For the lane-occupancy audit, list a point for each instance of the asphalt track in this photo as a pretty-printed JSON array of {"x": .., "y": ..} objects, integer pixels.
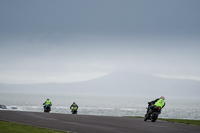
[{"x": 94, "y": 124}]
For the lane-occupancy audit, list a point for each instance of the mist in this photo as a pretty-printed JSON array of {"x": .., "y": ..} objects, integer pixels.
[{"x": 74, "y": 41}]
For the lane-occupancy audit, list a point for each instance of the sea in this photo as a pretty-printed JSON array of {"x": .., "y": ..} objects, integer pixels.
[{"x": 119, "y": 106}]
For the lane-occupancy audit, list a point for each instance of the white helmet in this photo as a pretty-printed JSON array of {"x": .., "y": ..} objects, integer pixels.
[{"x": 162, "y": 97}]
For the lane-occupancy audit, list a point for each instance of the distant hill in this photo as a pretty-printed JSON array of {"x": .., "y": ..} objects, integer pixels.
[{"x": 123, "y": 83}]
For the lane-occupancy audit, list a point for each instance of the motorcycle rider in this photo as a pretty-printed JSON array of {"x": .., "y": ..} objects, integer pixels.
[
  {"x": 74, "y": 107},
  {"x": 48, "y": 102},
  {"x": 159, "y": 102}
]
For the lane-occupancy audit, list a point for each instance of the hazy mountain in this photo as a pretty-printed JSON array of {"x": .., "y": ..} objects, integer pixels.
[{"x": 124, "y": 83}]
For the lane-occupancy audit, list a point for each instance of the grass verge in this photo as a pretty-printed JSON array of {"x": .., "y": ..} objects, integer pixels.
[
  {"x": 10, "y": 127},
  {"x": 185, "y": 121}
]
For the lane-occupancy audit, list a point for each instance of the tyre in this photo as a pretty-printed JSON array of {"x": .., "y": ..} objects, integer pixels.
[
  {"x": 145, "y": 117},
  {"x": 154, "y": 116}
]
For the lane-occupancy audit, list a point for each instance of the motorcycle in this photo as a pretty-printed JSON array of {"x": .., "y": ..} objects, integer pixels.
[
  {"x": 47, "y": 108},
  {"x": 3, "y": 107},
  {"x": 74, "y": 111},
  {"x": 155, "y": 111}
]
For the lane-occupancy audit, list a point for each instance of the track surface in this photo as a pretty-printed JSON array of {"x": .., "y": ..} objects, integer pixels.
[{"x": 95, "y": 124}]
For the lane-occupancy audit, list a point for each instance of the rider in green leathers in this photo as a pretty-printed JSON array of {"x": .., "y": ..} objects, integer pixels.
[
  {"x": 159, "y": 102},
  {"x": 74, "y": 107},
  {"x": 48, "y": 102}
]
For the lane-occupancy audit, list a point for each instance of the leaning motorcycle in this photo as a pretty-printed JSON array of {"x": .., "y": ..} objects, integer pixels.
[{"x": 155, "y": 111}]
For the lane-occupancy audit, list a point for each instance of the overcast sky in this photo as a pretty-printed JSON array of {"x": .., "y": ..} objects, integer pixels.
[{"x": 75, "y": 40}]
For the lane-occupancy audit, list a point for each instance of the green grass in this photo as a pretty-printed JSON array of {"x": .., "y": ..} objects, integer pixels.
[
  {"x": 9, "y": 127},
  {"x": 185, "y": 121}
]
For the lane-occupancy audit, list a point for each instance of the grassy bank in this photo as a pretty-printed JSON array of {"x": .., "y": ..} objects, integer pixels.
[
  {"x": 185, "y": 121},
  {"x": 9, "y": 127}
]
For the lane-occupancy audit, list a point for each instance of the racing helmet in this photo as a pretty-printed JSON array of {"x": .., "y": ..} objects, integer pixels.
[{"x": 162, "y": 97}]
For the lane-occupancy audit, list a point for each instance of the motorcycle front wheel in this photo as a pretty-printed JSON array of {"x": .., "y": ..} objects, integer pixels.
[
  {"x": 145, "y": 117},
  {"x": 154, "y": 116}
]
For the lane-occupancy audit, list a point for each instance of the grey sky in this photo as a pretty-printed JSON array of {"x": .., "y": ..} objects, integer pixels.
[{"x": 68, "y": 41}]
